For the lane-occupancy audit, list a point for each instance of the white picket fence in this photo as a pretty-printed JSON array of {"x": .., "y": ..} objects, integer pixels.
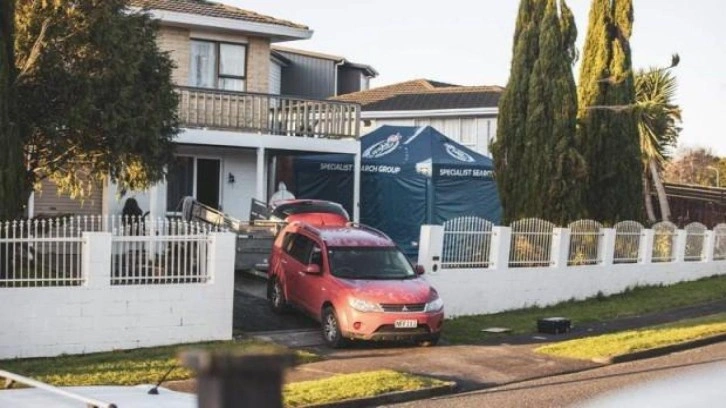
[{"x": 48, "y": 252}]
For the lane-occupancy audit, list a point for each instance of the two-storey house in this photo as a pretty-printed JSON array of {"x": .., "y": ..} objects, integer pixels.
[{"x": 235, "y": 119}]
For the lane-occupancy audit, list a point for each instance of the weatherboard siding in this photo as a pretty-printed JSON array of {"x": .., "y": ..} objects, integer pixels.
[{"x": 308, "y": 76}]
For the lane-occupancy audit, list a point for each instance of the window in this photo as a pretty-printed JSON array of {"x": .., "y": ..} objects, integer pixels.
[
  {"x": 301, "y": 248},
  {"x": 218, "y": 65},
  {"x": 196, "y": 177}
]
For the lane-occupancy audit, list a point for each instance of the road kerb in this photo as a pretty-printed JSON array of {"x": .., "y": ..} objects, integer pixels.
[
  {"x": 660, "y": 351},
  {"x": 391, "y": 397}
]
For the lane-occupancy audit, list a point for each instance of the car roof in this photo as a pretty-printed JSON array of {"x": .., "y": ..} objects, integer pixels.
[{"x": 350, "y": 235}]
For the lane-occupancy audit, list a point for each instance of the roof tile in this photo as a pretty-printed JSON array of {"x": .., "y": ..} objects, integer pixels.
[{"x": 211, "y": 9}]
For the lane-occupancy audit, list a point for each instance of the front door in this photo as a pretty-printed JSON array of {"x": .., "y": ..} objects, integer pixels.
[{"x": 208, "y": 179}]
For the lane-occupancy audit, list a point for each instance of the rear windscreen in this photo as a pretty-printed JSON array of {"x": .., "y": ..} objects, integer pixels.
[{"x": 286, "y": 210}]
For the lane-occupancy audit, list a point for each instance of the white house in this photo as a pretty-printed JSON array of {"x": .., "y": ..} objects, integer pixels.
[{"x": 235, "y": 122}]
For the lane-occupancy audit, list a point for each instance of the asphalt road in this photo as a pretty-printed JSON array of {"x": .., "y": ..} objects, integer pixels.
[{"x": 579, "y": 388}]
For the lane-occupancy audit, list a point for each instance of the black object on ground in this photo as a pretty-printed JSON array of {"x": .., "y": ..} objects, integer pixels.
[{"x": 554, "y": 325}]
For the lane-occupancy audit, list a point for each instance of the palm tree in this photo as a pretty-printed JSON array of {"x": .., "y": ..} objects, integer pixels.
[{"x": 658, "y": 118}]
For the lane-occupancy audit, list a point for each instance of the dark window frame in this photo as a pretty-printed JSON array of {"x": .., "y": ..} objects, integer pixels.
[{"x": 218, "y": 54}]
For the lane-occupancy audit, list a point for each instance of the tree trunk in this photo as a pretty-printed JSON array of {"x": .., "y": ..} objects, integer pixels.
[
  {"x": 665, "y": 209},
  {"x": 12, "y": 167},
  {"x": 648, "y": 199}
]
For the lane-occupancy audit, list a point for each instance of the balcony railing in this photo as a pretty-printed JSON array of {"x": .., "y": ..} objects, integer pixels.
[{"x": 267, "y": 114}]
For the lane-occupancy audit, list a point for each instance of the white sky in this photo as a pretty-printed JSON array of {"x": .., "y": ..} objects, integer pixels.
[{"x": 469, "y": 42}]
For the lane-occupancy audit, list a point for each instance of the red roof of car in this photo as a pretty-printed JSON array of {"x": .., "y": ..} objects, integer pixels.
[{"x": 350, "y": 236}]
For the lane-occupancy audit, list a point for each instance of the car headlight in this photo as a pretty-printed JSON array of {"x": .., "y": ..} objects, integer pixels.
[
  {"x": 434, "y": 305},
  {"x": 364, "y": 305}
]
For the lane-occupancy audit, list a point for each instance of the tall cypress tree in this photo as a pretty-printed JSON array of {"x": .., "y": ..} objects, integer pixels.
[
  {"x": 538, "y": 168},
  {"x": 12, "y": 168},
  {"x": 607, "y": 127}
]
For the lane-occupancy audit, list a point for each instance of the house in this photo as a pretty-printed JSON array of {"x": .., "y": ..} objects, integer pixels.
[
  {"x": 467, "y": 114},
  {"x": 318, "y": 75},
  {"x": 235, "y": 112}
]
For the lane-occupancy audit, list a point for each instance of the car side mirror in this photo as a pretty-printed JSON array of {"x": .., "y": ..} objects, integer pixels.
[
  {"x": 420, "y": 270},
  {"x": 312, "y": 269}
]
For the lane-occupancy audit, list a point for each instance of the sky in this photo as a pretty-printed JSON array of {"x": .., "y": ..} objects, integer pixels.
[{"x": 469, "y": 42}]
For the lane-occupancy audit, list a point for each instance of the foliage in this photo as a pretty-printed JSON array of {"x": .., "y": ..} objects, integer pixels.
[
  {"x": 697, "y": 166},
  {"x": 539, "y": 172},
  {"x": 607, "y": 127},
  {"x": 94, "y": 95},
  {"x": 349, "y": 386},
  {"x": 633, "y": 302},
  {"x": 130, "y": 367},
  {"x": 12, "y": 168},
  {"x": 609, "y": 345}
]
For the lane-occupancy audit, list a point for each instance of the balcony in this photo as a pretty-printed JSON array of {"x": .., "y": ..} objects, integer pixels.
[{"x": 267, "y": 114}]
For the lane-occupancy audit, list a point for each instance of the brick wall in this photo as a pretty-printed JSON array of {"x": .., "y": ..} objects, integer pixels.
[{"x": 176, "y": 40}]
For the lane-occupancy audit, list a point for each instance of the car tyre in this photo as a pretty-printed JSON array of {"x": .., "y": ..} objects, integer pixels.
[
  {"x": 331, "y": 328},
  {"x": 429, "y": 342},
  {"x": 276, "y": 296}
]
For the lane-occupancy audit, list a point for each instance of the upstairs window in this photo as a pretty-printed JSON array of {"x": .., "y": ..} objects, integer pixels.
[{"x": 218, "y": 65}]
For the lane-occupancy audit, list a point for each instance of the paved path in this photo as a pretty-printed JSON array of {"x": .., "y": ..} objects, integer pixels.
[{"x": 569, "y": 389}]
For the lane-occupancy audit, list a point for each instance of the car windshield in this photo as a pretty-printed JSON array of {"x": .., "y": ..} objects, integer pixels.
[{"x": 369, "y": 263}]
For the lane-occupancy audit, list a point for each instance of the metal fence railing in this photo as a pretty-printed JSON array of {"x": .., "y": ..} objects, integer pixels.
[
  {"x": 664, "y": 235},
  {"x": 48, "y": 252},
  {"x": 627, "y": 241},
  {"x": 695, "y": 242},
  {"x": 719, "y": 242},
  {"x": 467, "y": 242},
  {"x": 531, "y": 243},
  {"x": 160, "y": 251},
  {"x": 584, "y": 242}
]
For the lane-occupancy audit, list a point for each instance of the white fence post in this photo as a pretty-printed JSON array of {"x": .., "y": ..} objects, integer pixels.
[
  {"x": 679, "y": 246},
  {"x": 220, "y": 258},
  {"x": 97, "y": 259},
  {"x": 709, "y": 244},
  {"x": 560, "y": 252},
  {"x": 606, "y": 248},
  {"x": 499, "y": 249},
  {"x": 431, "y": 246},
  {"x": 645, "y": 250}
]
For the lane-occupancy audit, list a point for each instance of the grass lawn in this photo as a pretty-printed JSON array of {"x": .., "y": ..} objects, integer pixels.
[
  {"x": 129, "y": 367},
  {"x": 614, "y": 344},
  {"x": 349, "y": 386},
  {"x": 467, "y": 329}
]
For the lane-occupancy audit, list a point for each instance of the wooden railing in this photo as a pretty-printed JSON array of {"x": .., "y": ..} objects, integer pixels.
[{"x": 268, "y": 114}]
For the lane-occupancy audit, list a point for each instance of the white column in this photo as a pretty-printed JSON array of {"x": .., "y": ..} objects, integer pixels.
[
  {"x": 709, "y": 243},
  {"x": 499, "y": 249},
  {"x": 431, "y": 245},
  {"x": 260, "y": 192},
  {"x": 606, "y": 247},
  {"x": 96, "y": 267},
  {"x": 679, "y": 246},
  {"x": 356, "y": 186},
  {"x": 645, "y": 250},
  {"x": 31, "y": 205},
  {"x": 560, "y": 249}
]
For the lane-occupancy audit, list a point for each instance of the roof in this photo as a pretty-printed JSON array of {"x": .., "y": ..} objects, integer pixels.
[
  {"x": 424, "y": 94},
  {"x": 485, "y": 98},
  {"x": 353, "y": 236},
  {"x": 212, "y": 9}
]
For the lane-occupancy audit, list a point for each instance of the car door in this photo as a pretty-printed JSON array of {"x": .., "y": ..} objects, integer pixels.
[
  {"x": 298, "y": 254},
  {"x": 313, "y": 286}
]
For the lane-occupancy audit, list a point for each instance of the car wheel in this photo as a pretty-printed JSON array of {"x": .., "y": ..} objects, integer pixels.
[
  {"x": 429, "y": 342},
  {"x": 276, "y": 296},
  {"x": 331, "y": 328}
]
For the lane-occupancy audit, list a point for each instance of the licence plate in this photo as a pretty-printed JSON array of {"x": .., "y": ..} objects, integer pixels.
[{"x": 405, "y": 324}]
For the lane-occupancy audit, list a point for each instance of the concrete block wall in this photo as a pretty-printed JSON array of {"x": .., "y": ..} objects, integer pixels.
[
  {"x": 499, "y": 287},
  {"x": 95, "y": 317}
]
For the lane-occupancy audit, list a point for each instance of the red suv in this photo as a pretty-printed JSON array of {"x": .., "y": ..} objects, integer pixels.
[{"x": 355, "y": 281}]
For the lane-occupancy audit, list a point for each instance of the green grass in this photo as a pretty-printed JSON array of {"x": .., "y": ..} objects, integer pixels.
[
  {"x": 609, "y": 345},
  {"x": 130, "y": 367},
  {"x": 349, "y": 386},
  {"x": 641, "y": 300}
]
